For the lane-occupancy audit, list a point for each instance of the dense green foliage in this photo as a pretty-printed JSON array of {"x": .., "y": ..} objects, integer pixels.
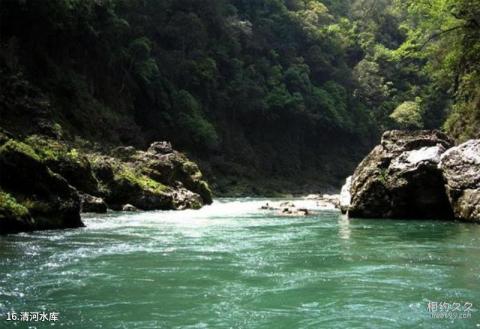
[
  {"x": 446, "y": 35},
  {"x": 254, "y": 88},
  {"x": 10, "y": 208},
  {"x": 430, "y": 68},
  {"x": 408, "y": 115}
]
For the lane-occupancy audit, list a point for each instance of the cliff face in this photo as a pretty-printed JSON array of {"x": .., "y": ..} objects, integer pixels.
[{"x": 46, "y": 183}]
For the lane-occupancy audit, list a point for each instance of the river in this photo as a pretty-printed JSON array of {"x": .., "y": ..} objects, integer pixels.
[{"x": 230, "y": 265}]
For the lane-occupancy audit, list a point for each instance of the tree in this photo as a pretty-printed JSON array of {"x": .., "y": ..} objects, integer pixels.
[{"x": 408, "y": 115}]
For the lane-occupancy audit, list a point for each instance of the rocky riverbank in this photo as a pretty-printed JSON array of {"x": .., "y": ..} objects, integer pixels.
[
  {"x": 418, "y": 174},
  {"x": 46, "y": 184}
]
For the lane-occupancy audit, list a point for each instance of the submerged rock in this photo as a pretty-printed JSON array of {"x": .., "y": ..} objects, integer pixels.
[
  {"x": 461, "y": 169},
  {"x": 293, "y": 212},
  {"x": 267, "y": 206},
  {"x": 400, "y": 178},
  {"x": 286, "y": 209}
]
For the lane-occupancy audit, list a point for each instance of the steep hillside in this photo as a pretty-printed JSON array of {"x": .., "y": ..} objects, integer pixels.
[{"x": 267, "y": 95}]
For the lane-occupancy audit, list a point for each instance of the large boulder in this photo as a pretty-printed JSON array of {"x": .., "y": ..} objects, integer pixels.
[
  {"x": 121, "y": 183},
  {"x": 33, "y": 196},
  {"x": 159, "y": 178},
  {"x": 461, "y": 169},
  {"x": 400, "y": 178},
  {"x": 161, "y": 163}
]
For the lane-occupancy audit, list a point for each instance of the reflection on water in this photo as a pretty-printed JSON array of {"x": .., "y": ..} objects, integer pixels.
[
  {"x": 230, "y": 265},
  {"x": 344, "y": 228}
]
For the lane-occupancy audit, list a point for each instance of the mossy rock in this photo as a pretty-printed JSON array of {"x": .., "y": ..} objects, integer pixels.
[
  {"x": 172, "y": 168},
  {"x": 123, "y": 184},
  {"x": 203, "y": 189},
  {"x": 123, "y": 172},
  {"x": 70, "y": 163},
  {"x": 151, "y": 169},
  {"x": 190, "y": 175},
  {"x": 14, "y": 216},
  {"x": 50, "y": 200}
]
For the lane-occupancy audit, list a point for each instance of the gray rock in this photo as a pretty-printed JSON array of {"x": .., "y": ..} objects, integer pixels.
[
  {"x": 92, "y": 203},
  {"x": 160, "y": 148},
  {"x": 400, "y": 178},
  {"x": 129, "y": 207},
  {"x": 293, "y": 212},
  {"x": 185, "y": 199},
  {"x": 461, "y": 169}
]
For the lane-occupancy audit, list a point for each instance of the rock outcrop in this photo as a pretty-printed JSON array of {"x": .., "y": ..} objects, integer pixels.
[
  {"x": 416, "y": 175},
  {"x": 400, "y": 178},
  {"x": 120, "y": 184},
  {"x": 45, "y": 184},
  {"x": 160, "y": 162},
  {"x": 66, "y": 161},
  {"x": 461, "y": 170},
  {"x": 33, "y": 196},
  {"x": 159, "y": 178}
]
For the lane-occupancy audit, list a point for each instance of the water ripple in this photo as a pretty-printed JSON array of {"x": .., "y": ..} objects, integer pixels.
[{"x": 230, "y": 265}]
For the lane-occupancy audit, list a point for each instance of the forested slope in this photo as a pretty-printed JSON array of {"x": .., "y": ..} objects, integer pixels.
[{"x": 268, "y": 95}]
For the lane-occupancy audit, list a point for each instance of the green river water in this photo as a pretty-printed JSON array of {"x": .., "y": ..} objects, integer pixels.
[{"x": 230, "y": 265}]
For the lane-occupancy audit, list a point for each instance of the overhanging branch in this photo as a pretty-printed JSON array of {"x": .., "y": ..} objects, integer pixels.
[{"x": 439, "y": 34}]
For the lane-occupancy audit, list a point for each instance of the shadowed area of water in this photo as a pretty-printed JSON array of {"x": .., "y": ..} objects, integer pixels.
[{"x": 230, "y": 265}]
